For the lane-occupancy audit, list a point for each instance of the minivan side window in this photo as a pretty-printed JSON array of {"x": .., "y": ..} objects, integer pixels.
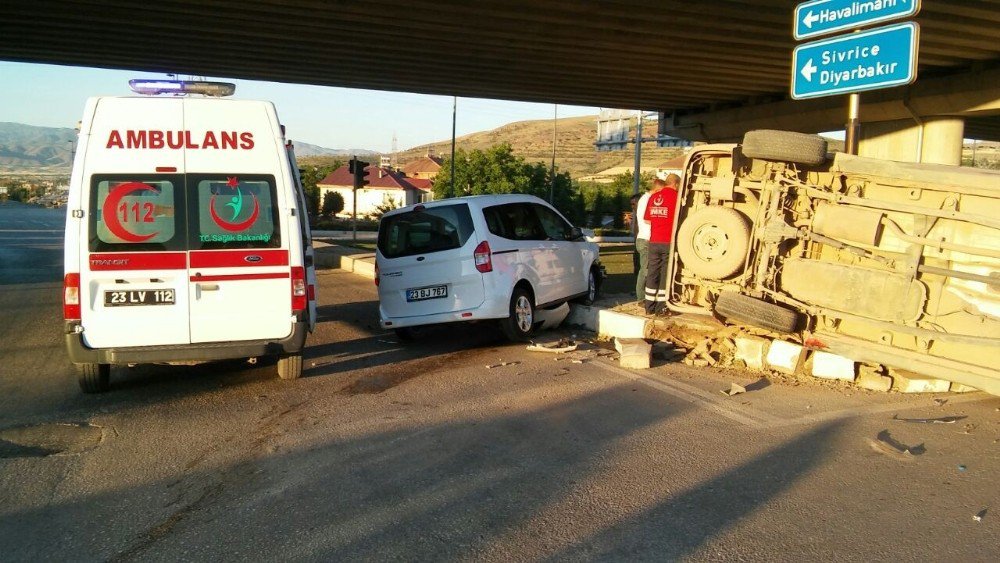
[
  {"x": 132, "y": 212},
  {"x": 556, "y": 228},
  {"x": 233, "y": 212},
  {"x": 514, "y": 221},
  {"x": 431, "y": 229}
]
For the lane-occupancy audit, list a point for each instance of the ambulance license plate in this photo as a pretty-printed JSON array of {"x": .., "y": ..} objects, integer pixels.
[
  {"x": 421, "y": 293},
  {"x": 123, "y": 298}
]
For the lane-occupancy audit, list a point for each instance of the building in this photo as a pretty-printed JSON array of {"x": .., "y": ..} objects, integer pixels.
[
  {"x": 425, "y": 167},
  {"x": 386, "y": 189}
]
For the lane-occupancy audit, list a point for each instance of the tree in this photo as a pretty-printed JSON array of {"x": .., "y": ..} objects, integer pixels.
[
  {"x": 388, "y": 205},
  {"x": 311, "y": 175},
  {"x": 497, "y": 170},
  {"x": 333, "y": 203}
]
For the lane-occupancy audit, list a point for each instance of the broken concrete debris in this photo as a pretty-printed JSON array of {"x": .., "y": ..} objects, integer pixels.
[
  {"x": 561, "y": 347},
  {"x": 634, "y": 353},
  {"x": 734, "y": 389},
  {"x": 941, "y": 420},
  {"x": 502, "y": 364}
]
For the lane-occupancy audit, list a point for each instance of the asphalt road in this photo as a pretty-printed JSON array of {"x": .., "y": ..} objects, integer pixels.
[
  {"x": 385, "y": 451},
  {"x": 31, "y": 243}
]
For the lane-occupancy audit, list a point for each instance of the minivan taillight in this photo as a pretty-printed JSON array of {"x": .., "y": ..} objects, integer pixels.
[
  {"x": 299, "y": 295},
  {"x": 71, "y": 297},
  {"x": 376, "y": 273},
  {"x": 483, "y": 257}
]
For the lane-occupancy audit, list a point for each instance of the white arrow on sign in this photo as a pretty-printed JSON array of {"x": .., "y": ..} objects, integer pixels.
[
  {"x": 808, "y": 70},
  {"x": 809, "y": 19}
]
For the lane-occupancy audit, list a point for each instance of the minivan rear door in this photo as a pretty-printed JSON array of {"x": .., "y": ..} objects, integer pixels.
[{"x": 426, "y": 263}]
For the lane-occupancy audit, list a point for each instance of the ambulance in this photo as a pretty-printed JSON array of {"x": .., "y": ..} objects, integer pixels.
[{"x": 187, "y": 237}]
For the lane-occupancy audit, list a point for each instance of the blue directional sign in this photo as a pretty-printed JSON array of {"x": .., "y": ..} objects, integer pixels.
[
  {"x": 822, "y": 17},
  {"x": 878, "y": 58}
]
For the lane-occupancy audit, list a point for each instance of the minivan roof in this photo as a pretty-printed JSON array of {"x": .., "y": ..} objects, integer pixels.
[{"x": 482, "y": 200}]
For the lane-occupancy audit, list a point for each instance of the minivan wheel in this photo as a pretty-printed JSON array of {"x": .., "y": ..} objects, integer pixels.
[
  {"x": 94, "y": 378},
  {"x": 785, "y": 146},
  {"x": 592, "y": 289},
  {"x": 743, "y": 308},
  {"x": 519, "y": 324},
  {"x": 290, "y": 367}
]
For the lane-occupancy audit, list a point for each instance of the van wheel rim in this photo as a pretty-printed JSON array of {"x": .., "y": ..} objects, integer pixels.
[
  {"x": 522, "y": 314},
  {"x": 710, "y": 242}
]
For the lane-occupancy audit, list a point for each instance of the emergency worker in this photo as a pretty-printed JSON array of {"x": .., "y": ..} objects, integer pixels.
[{"x": 659, "y": 211}]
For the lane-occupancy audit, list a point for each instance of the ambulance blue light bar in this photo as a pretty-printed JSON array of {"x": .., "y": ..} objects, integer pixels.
[{"x": 180, "y": 87}]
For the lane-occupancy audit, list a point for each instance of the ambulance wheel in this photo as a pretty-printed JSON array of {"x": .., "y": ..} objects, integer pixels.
[
  {"x": 290, "y": 367},
  {"x": 94, "y": 378},
  {"x": 518, "y": 326}
]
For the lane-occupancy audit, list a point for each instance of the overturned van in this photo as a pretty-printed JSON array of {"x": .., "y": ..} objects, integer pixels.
[
  {"x": 187, "y": 237},
  {"x": 882, "y": 262}
]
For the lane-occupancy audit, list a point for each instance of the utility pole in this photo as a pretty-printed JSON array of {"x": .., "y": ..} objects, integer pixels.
[
  {"x": 638, "y": 155},
  {"x": 552, "y": 180},
  {"x": 454, "y": 115}
]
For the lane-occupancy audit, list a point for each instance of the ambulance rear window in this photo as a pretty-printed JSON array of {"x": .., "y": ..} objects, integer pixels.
[
  {"x": 130, "y": 213},
  {"x": 238, "y": 211}
]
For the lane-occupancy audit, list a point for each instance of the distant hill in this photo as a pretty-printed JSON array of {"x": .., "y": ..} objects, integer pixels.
[
  {"x": 532, "y": 140},
  {"x": 27, "y": 149},
  {"x": 35, "y": 150}
]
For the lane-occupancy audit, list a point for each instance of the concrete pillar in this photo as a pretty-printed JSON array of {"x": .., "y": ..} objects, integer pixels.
[
  {"x": 943, "y": 138},
  {"x": 938, "y": 140}
]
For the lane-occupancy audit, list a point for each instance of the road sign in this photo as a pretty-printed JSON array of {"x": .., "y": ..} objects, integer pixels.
[
  {"x": 822, "y": 17},
  {"x": 879, "y": 58}
]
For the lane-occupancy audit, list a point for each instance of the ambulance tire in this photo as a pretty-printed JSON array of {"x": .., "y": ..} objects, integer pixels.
[
  {"x": 713, "y": 242},
  {"x": 785, "y": 146},
  {"x": 94, "y": 378},
  {"x": 290, "y": 366},
  {"x": 520, "y": 323}
]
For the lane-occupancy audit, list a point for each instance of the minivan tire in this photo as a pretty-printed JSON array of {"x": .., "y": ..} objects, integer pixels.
[
  {"x": 593, "y": 289},
  {"x": 757, "y": 312},
  {"x": 785, "y": 146},
  {"x": 713, "y": 242},
  {"x": 94, "y": 378},
  {"x": 290, "y": 367},
  {"x": 520, "y": 323}
]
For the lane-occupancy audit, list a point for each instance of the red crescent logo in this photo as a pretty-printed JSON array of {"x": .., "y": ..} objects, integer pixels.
[
  {"x": 234, "y": 227},
  {"x": 110, "y": 207}
]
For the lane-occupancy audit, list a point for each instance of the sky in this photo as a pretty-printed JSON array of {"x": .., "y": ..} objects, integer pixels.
[{"x": 335, "y": 118}]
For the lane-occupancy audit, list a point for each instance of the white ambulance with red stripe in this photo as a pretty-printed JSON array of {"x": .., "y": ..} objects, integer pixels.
[{"x": 187, "y": 237}]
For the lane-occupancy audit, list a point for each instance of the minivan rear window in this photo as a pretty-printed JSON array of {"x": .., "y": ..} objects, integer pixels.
[{"x": 431, "y": 229}]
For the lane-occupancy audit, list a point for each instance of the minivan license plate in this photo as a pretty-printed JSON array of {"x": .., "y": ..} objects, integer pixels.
[
  {"x": 122, "y": 298},
  {"x": 421, "y": 293}
]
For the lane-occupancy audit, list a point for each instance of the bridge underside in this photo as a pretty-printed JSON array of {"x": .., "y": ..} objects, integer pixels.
[{"x": 692, "y": 60}]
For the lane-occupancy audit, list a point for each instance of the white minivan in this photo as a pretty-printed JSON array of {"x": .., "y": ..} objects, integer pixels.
[
  {"x": 187, "y": 237},
  {"x": 480, "y": 257}
]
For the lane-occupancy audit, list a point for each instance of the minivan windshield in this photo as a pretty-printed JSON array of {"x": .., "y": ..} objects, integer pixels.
[{"x": 425, "y": 230}]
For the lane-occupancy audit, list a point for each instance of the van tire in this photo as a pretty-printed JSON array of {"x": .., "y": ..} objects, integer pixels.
[
  {"x": 290, "y": 367},
  {"x": 713, "y": 242},
  {"x": 743, "y": 308},
  {"x": 785, "y": 146},
  {"x": 520, "y": 321},
  {"x": 94, "y": 378}
]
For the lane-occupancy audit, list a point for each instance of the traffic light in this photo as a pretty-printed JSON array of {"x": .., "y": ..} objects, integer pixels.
[{"x": 358, "y": 170}]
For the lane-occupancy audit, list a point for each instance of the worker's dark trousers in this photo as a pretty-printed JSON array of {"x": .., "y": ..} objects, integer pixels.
[{"x": 656, "y": 278}]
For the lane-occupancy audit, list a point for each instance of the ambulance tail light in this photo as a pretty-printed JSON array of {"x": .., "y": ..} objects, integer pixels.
[
  {"x": 483, "y": 257},
  {"x": 71, "y": 297},
  {"x": 299, "y": 291}
]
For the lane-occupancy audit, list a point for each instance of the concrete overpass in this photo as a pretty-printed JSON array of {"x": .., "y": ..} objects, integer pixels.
[{"x": 714, "y": 68}]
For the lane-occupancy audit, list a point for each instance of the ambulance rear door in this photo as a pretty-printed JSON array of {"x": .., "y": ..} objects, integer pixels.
[
  {"x": 240, "y": 265},
  {"x": 132, "y": 239}
]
